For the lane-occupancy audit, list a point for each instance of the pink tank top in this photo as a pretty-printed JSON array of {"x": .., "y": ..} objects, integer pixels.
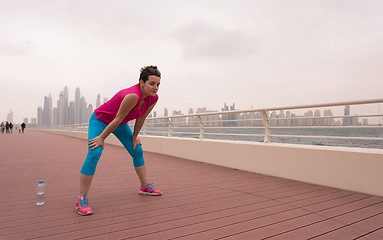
[{"x": 108, "y": 111}]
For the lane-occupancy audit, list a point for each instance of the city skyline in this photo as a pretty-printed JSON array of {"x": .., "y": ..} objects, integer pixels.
[
  {"x": 66, "y": 112},
  {"x": 77, "y": 111}
]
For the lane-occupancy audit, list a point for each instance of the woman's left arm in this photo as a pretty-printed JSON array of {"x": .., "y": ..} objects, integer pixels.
[{"x": 138, "y": 125}]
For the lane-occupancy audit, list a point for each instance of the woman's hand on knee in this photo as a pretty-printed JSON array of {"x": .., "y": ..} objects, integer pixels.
[
  {"x": 136, "y": 141},
  {"x": 96, "y": 142}
]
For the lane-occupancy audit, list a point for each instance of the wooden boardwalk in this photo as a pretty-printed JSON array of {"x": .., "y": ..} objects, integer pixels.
[{"x": 200, "y": 201}]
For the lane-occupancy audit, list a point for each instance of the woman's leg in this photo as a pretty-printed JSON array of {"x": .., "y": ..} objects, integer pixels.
[
  {"x": 125, "y": 134},
  {"x": 141, "y": 173},
  {"x": 89, "y": 166},
  {"x": 85, "y": 182}
]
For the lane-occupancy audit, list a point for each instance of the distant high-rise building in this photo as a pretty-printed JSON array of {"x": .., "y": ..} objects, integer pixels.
[
  {"x": 346, "y": 121},
  {"x": 273, "y": 116},
  {"x": 66, "y": 105},
  {"x": 347, "y": 110},
  {"x": 209, "y": 120},
  {"x": 55, "y": 117},
  {"x": 104, "y": 100},
  {"x": 26, "y": 121},
  {"x": 258, "y": 115},
  {"x": 328, "y": 121},
  {"x": 281, "y": 122},
  {"x": 72, "y": 112},
  {"x": 62, "y": 116},
  {"x": 309, "y": 122},
  {"x": 66, "y": 112},
  {"x": 39, "y": 116},
  {"x": 61, "y": 109},
  {"x": 229, "y": 119},
  {"x": 77, "y": 105},
  {"x": 354, "y": 121},
  {"x": 47, "y": 111},
  {"x": 175, "y": 112},
  {"x": 10, "y": 116},
  {"x": 192, "y": 121},
  {"x": 288, "y": 121},
  {"x": 179, "y": 122},
  {"x": 232, "y": 107},
  {"x": 98, "y": 101},
  {"x": 166, "y": 112},
  {"x": 225, "y": 108},
  {"x": 244, "y": 116},
  {"x": 83, "y": 110},
  {"x": 90, "y": 111},
  {"x": 201, "y": 110},
  {"x": 320, "y": 121}
]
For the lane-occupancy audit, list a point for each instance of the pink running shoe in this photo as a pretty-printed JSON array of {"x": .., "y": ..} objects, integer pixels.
[
  {"x": 83, "y": 207},
  {"x": 149, "y": 190}
]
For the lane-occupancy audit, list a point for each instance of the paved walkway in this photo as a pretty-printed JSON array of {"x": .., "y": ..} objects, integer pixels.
[{"x": 200, "y": 201}]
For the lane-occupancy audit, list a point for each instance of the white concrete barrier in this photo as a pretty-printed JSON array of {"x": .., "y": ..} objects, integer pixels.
[{"x": 353, "y": 169}]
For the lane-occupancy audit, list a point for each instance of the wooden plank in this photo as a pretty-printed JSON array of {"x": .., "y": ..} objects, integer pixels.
[
  {"x": 337, "y": 222},
  {"x": 363, "y": 224}
]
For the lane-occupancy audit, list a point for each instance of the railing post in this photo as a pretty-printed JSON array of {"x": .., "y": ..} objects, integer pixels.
[
  {"x": 201, "y": 128},
  {"x": 267, "y": 126},
  {"x": 170, "y": 128}
]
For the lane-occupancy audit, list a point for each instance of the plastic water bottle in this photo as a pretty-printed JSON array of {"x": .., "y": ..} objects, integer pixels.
[{"x": 40, "y": 193}]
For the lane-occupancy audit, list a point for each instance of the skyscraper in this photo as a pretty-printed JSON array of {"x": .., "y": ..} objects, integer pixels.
[
  {"x": 288, "y": 121},
  {"x": 273, "y": 116},
  {"x": 309, "y": 122},
  {"x": 61, "y": 109},
  {"x": 66, "y": 112},
  {"x": 98, "y": 101},
  {"x": 47, "y": 112},
  {"x": 320, "y": 121},
  {"x": 66, "y": 105},
  {"x": 89, "y": 112},
  {"x": 55, "y": 117},
  {"x": 227, "y": 118},
  {"x": 39, "y": 116},
  {"x": 72, "y": 112},
  {"x": 10, "y": 116},
  {"x": 346, "y": 120},
  {"x": 83, "y": 110},
  {"x": 329, "y": 121},
  {"x": 281, "y": 115},
  {"x": 77, "y": 105}
]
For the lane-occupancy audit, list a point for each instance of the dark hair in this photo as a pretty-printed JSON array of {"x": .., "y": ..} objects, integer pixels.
[{"x": 149, "y": 70}]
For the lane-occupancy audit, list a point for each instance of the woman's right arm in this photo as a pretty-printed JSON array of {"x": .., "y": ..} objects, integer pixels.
[{"x": 127, "y": 104}]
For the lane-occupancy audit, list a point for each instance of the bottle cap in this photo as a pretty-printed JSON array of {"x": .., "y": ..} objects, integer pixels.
[{"x": 41, "y": 181}]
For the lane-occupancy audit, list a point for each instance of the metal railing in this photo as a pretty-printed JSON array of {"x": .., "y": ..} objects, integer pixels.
[{"x": 264, "y": 125}]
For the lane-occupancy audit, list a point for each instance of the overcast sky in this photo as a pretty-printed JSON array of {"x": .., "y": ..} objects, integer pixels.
[{"x": 210, "y": 52}]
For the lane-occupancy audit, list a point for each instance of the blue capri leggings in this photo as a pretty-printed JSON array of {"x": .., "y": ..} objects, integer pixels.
[{"x": 122, "y": 132}]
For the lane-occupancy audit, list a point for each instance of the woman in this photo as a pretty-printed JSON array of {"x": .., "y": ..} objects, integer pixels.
[{"x": 113, "y": 116}]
